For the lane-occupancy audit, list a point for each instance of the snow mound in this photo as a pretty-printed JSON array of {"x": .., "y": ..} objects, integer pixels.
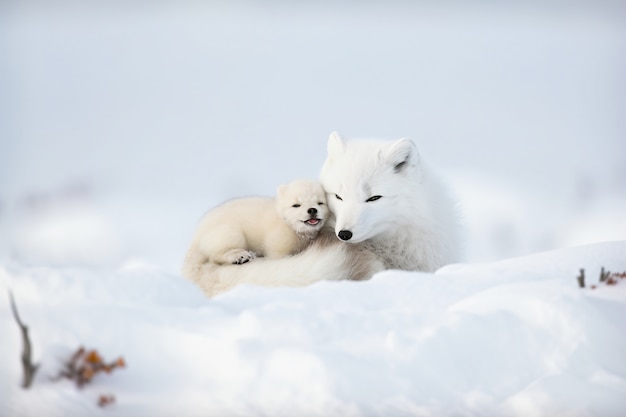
[
  {"x": 64, "y": 230},
  {"x": 513, "y": 338}
]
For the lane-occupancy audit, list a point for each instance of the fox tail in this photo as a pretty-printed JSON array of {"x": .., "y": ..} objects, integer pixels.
[{"x": 325, "y": 259}]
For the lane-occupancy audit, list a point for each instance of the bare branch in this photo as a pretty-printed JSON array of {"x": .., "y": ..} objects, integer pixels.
[
  {"x": 27, "y": 365},
  {"x": 604, "y": 275},
  {"x": 581, "y": 278}
]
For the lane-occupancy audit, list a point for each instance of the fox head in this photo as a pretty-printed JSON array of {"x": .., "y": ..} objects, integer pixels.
[
  {"x": 366, "y": 183},
  {"x": 302, "y": 205}
]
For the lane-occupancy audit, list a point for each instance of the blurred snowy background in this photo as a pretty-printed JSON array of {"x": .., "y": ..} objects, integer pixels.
[{"x": 121, "y": 123}]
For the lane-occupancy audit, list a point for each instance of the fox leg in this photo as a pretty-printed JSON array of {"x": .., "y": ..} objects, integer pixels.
[
  {"x": 226, "y": 245},
  {"x": 236, "y": 256}
]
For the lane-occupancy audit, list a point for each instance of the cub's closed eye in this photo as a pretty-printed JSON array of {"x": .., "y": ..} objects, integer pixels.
[
  {"x": 296, "y": 205},
  {"x": 338, "y": 198},
  {"x": 373, "y": 198},
  {"x": 320, "y": 203}
]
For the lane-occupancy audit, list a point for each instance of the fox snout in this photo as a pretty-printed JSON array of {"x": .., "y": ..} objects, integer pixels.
[
  {"x": 312, "y": 211},
  {"x": 344, "y": 235}
]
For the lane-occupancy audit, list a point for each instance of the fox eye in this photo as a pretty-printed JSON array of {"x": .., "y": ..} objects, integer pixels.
[
  {"x": 373, "y": 198},
  {"x": 320, "y": 204},
  {"x": 296, "y": 205},
  {"x": 338, "y": 198}
]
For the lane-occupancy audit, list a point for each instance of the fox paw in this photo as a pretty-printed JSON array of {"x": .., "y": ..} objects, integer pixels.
[{"x": 239, "y": 256}]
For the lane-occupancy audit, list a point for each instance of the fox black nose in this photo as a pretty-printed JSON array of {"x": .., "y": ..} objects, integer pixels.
[
  {"x": 344, "y": 234},
  {"x": 312, "y": 211}
]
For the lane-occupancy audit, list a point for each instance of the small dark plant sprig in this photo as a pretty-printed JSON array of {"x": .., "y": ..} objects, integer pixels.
[
  {"x": 28, "y": 367},
  {"x": 606, "y": 277},
  {"x": 105, "y": 400},
  {"x": 581, "y": 278},
  {"x": 85, "y": 364}
]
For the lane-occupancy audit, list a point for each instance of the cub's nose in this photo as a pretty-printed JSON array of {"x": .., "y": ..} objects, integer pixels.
[
  {"x": 312, "y": 211},
  {"x": 344, "y": 234}
]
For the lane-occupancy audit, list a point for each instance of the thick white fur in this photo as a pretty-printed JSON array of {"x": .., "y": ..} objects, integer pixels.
[
  {"x": 325, "y": 259},
  {"x": 412, "y": 226},
  {"x": 241, "y": 229}
]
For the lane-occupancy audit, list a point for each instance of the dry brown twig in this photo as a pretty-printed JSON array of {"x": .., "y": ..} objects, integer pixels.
[
  {"x": 581, "y": 278},
  {"x": 81, "y": 367},
  {"x": 27, "y": 365},
  {"x": 106, "y": 400},
  {"x": 85, "y": 364},
  {"x": 606, "y": 277}
]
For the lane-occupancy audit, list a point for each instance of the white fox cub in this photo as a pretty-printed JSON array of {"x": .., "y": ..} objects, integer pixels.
[
  {"x": 239, "y": 230},
  {"x": 390, "y": 212}
]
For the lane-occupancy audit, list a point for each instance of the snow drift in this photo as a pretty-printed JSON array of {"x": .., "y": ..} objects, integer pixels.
[{"x": 514, "y": 338}]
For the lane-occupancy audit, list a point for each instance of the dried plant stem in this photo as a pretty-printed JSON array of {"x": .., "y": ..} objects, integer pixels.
[
  {"x": 27, "y": 365},
  {"x": 581, "y": 278},
  {"x": 604, "y": 275}
]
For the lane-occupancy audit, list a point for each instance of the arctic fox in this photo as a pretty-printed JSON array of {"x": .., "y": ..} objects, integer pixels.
[
  {"x": 239, "y": 230},
  {"x": 390, "y": 212},
  {"x": 385, "y": 199}
]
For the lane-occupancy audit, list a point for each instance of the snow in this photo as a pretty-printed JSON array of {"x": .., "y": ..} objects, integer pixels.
[
  {"x": 121, "y": 124},
  {"x": 514, "y": 337}
]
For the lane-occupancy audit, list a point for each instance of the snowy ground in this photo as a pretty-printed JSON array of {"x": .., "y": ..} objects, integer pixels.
[
  {"x": 510, "y": 338},
  {"x": 120, "y": 125}
]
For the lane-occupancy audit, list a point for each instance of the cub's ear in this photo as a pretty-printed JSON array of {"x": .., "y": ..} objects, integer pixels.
[
  {"x": 280, "y": 190},
  {"x": 336, "y": 144},
  {"x": 401, "y": 154}
]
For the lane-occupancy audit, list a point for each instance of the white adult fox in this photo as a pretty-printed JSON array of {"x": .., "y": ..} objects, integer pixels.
[{"x": 390, "y": 212}]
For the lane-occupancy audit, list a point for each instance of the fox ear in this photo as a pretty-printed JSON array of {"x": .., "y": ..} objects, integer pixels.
[
  {"x": 280, "y": 190},
  {"x": 401, "y": 154},
  {"x": 336, "y": 143}
]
